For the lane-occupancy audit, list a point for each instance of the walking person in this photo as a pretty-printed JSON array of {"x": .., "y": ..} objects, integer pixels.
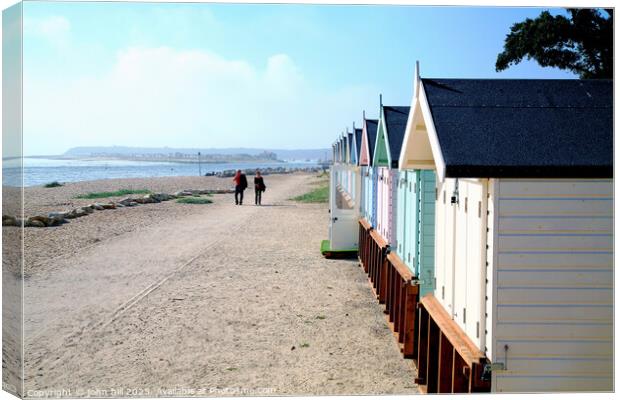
[
  {"x": 259, "y": 188},
  {"x": 241, "y": 183}
]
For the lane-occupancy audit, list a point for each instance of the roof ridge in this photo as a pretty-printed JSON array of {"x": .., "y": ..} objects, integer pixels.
[{"x": 516, "y": 106}]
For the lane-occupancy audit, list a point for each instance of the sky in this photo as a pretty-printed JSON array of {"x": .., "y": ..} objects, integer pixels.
[{"x": 233, "y": 75}]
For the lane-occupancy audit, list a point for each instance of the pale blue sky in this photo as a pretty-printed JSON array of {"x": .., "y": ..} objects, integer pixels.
[{"x": 206, "y": 75}]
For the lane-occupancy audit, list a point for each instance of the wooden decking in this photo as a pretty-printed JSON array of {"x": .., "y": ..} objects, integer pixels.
[{"x": 447, "y": 360}]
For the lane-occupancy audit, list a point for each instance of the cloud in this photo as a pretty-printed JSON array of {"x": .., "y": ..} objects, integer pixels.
[
  {"x": 55, "y": 29},
  {"x": 191, "y": 98}
]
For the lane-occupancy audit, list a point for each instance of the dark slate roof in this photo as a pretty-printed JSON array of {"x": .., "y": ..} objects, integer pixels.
[
  {"x": 358, "y": 143},
  {"x": 523, "y": 128},
  {"x": 395, "y": 124},
  {"x": 350, "y": 137},
  {"x": 371, "y": 129}
]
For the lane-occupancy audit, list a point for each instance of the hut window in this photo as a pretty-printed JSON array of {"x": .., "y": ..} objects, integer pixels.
[{"x": 479, "y": 209}]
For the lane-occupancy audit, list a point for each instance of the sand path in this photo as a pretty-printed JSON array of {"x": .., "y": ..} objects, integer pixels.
[{"x": 224, "y": 301}]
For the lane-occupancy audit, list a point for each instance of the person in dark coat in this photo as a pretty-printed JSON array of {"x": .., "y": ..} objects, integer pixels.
[
  {"x": 259, "y": 188},
  {"x": 241, "y": 183}
]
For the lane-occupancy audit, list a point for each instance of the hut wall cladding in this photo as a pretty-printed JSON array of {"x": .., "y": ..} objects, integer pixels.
[{"x": 551, "y": 290}]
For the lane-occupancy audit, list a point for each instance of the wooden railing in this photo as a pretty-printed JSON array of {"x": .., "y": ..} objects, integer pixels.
[{"x": 447, "y": 360}]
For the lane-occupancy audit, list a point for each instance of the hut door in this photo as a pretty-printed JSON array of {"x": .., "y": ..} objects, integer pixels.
[
  {"x": 444, "y": 249},
  {"x": 408, "y": 219},
  {"x": 476, "y": 260},
  {"x": 401, "y": 215},
  {"x": 425, "y": 260},
  {"x": 470, "y": 257},
  {"x": 374, "y": 192},
  {"x": 343, "y": 230}
]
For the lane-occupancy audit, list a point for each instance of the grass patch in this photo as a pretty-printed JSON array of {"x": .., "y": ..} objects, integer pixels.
[
  {"x": 194, "y": 200},
  {"x": 118, "y": 193},
  {"x": 303, "y": 345},
  {"x": 53, "y": 184},
  {"x": 320, "y": 317},
  {"x": 324, "y": 174},
  {"x": 318, "y": 195}
]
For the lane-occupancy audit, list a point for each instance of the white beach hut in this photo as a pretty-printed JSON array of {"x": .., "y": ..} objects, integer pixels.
[{"x": 524, "y": 234}]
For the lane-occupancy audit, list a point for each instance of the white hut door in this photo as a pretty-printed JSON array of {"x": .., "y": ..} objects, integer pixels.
[
  {"x": 343, "y": 230},
  {"x": 460, "y": 257},
  {"x": 476, "y": 260}
]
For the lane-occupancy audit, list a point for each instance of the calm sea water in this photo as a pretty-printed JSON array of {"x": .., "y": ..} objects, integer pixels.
[{"x": 39, "y": 171}]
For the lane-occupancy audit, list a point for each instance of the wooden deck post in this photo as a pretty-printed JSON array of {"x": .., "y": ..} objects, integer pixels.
[
  {"x": 432, "y": 376},
  {"x": 389, "y": 298},
  {"x": 383, "y": 278},
  {"x": 422, "y": 362},
  {"x": 460, "y": 377},
  {"x": 409, "y": 326},
  {"x": 445, "y": 369}
]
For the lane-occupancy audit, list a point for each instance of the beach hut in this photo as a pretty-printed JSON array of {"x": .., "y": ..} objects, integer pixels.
[
  {"x": 357, "y": 134},
  {"x": 524, "y": 242},
  {"x": 367, "y": 220},
  {"x": 390, "y": 133},
  {"x": 343, "y": 197}
]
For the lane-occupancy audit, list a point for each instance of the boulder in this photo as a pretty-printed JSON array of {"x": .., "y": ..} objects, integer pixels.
[
  {"x": 161, "y": 196},
  {"x": 46, "y": 221},
  {"x": 76, "y": 213},
  {"x": 88, "y": 209},
  {"x": 98, "y": 206},
  {"x": 34, "y": 223},
  {"x": 126, "y": 201},
  {"x": 7, "y": 220},
  {"x": 57, "y": 214},
  {"x": 109, "y": 206},
  {"x": 132, "y": 204}
]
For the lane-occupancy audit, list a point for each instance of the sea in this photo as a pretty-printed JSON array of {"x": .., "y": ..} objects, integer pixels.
[{"x": 39, "y": 171}]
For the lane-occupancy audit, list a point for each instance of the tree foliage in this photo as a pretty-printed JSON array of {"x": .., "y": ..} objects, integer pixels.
[{"x": 581, "y": 43}]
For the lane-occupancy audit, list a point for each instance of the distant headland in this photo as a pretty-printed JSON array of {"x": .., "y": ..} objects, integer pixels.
[{"x": 194, "y": 155}]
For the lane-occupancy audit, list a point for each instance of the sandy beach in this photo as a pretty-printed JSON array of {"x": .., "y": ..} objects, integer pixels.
[{"x": 174, "y": 299}]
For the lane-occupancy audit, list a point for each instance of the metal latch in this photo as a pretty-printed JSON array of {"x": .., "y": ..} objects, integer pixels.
[
  {"x": 497, "y": 366},
  {"x": 488, "y": 369}
]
